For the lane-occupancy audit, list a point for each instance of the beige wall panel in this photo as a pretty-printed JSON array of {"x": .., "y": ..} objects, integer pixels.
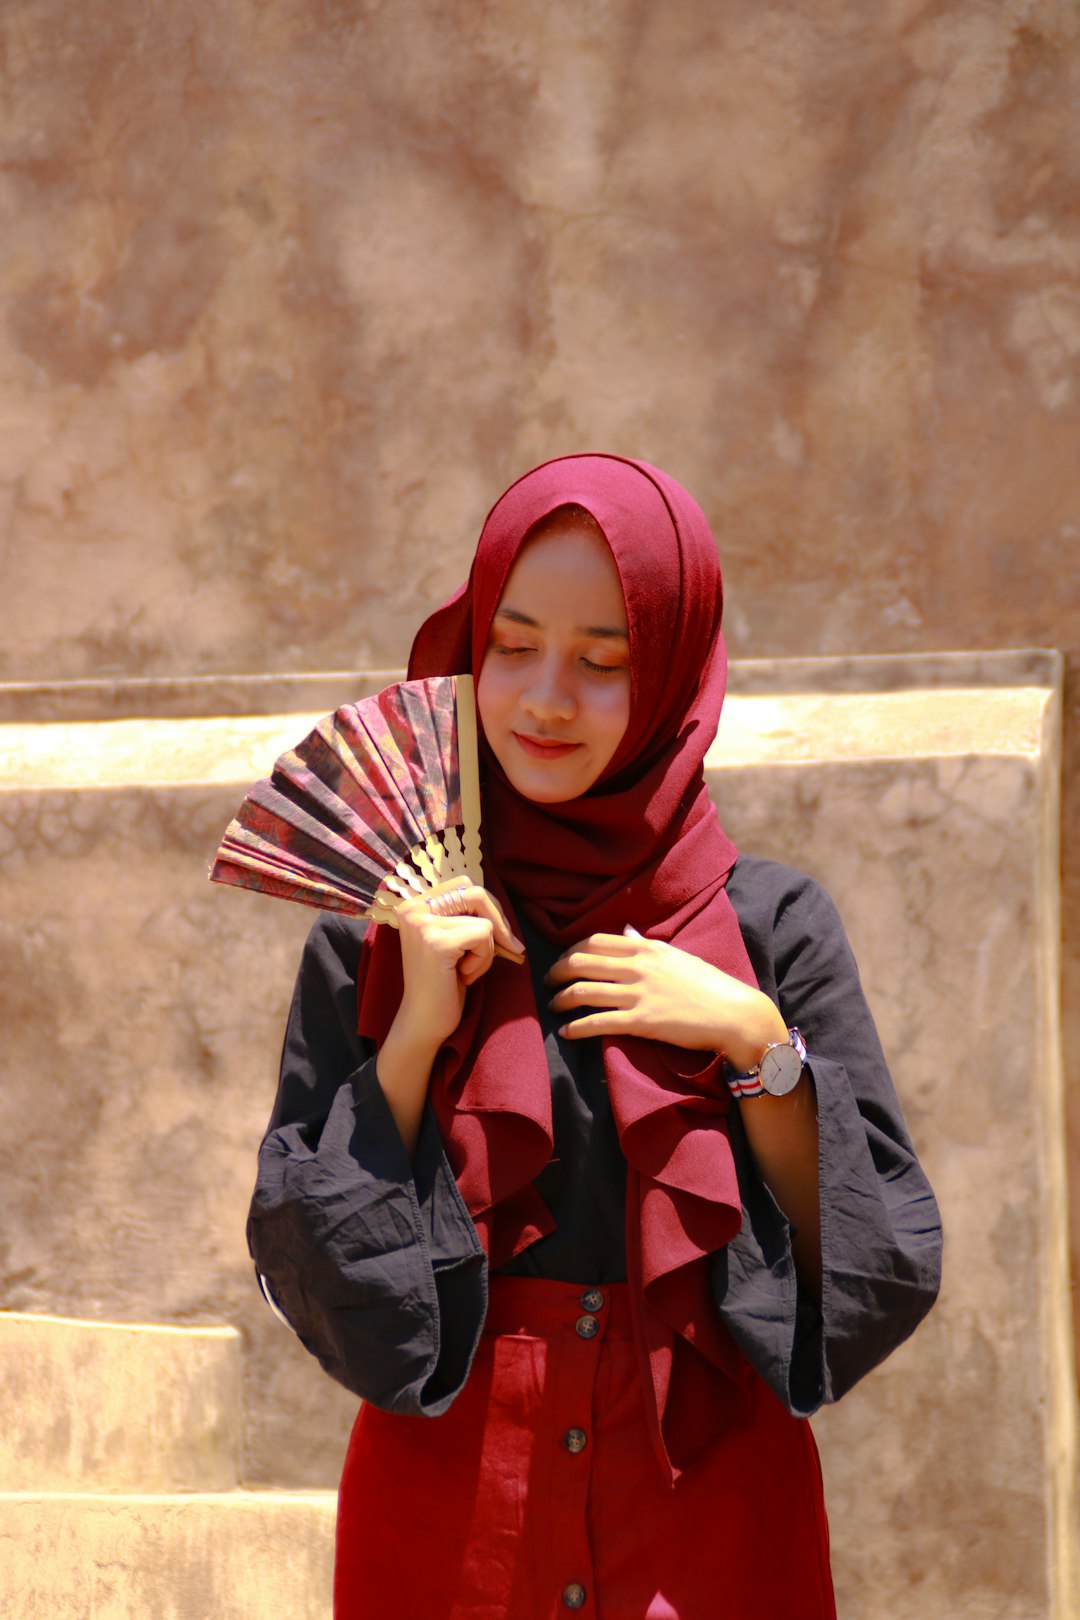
[
  {"x": 143, "y": 1013},
  {"x": 237, "y": 1555},
  {"x": 98, "y": 1406},
  {"x": 938, "y": 1467}
]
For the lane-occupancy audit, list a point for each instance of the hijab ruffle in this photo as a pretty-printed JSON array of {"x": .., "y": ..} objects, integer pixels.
[{"x": 644, "y": 847}]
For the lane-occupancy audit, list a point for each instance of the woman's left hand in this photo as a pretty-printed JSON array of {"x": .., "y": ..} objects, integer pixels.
[{"x": 646, "y": 987}]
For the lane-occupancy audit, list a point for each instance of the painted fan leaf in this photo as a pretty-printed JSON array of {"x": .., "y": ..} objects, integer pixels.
[{"x": 366, "y": 809}]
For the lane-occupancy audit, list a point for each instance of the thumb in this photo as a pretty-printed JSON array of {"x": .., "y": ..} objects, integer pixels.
[
  {"x": 504, "y": 934},
  {"x": 480, "y": 902}
]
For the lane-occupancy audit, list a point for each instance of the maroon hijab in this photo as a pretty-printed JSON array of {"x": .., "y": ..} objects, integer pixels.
[{"x": 644, "y": 847}]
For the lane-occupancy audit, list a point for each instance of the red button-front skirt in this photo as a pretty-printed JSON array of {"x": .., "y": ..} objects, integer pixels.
[{"x": 539, "y": 1494}]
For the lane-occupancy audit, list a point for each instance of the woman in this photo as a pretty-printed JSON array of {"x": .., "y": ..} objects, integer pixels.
[{"x": 591, "y": 1236}]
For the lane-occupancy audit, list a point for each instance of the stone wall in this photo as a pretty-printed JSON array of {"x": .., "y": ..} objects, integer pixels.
[
  {"x": 290, "y": 292},
  {"x": 142, "y": 1011}
]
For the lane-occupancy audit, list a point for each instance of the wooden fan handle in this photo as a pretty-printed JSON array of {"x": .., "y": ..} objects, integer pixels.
[{"x": 469, "y": 774}]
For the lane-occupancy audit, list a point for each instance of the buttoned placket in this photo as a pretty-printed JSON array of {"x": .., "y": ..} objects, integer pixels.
[{"x": 575, "y": 1373}]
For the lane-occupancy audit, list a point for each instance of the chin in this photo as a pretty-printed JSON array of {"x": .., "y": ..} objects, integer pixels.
[{"x": 543, "y": 792}]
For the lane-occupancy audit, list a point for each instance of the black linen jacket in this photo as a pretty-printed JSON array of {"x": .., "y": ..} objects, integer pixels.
[{"x": 375, "y": 1263}]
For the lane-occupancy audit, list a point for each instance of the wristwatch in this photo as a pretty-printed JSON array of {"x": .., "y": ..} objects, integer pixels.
[{"x": 778, "y": 1072}]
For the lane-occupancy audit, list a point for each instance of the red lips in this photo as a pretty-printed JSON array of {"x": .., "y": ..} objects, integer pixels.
[{"x": 544, "y": 747}]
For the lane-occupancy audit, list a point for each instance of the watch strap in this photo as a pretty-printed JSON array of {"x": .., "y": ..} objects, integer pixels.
[{"x": 749, "y": 1084}]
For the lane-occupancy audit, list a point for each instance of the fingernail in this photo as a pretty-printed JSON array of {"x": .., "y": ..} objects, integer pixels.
[{"x": 631, "y": 931}]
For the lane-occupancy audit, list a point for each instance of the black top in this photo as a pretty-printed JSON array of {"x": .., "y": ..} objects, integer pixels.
[
  {"x": 376, "y": 1264},
  {"x": 584, "y": 1184}
]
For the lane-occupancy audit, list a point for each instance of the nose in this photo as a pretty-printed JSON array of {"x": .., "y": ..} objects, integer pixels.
[{"x": 548, "y": 695}]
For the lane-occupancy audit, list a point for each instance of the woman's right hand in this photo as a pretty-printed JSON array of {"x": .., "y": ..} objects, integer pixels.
[
  {"x": 443, "y": 954},
  {"x": 440, "y": 957}
]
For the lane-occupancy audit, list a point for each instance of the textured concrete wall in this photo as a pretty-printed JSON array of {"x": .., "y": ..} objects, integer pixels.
[
  {"x": 289, "y": 292},
  {"x": 142, "y": 1011}
]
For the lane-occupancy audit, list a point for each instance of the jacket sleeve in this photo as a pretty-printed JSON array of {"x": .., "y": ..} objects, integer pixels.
[
  {"x": 372, "y": 1260},
  {"x": 881, "y": 1231}
]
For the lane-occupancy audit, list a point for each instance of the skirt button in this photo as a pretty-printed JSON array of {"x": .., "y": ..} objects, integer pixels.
[
  {"x": 575, "y": 1440},
  {"x": 592, "y": 1299},
  {"x": 587, "y": 1327},
  {"x": 574, "y": 1595}
]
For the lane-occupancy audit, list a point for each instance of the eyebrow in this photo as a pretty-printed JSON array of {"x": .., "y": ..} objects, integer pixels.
[{"x": 612, "y": 632}]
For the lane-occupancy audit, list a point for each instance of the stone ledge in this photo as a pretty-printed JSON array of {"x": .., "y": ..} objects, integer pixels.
[
  {"x": 792, "y": 728},
  {"x": 176, "y": 696},
  {"x": 104, "y": 1406},
  {"x": 240, "y": 1555}
]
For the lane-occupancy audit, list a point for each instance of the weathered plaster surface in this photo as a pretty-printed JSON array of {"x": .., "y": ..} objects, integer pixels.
[
  {"x": 103, "y": 1406},
  {"x": 288, "y": 293},
  {"x": 934, "y": 865},
  {"x": 142, "y": 1012},
  {"x": 250, "y": 1555}
]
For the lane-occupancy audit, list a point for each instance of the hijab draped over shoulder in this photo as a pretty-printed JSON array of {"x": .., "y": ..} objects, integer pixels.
[{"x": 642, "y": 847}]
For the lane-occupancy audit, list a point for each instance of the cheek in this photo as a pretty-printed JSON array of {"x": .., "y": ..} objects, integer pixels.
[
  {"x": 613, "y": 714},
  {"x": 491, "y": 695}
]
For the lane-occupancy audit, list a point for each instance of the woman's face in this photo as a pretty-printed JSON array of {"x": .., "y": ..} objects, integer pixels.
[{"x": 554, "y": 687}]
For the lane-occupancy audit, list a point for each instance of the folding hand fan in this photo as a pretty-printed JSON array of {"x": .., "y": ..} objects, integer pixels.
[{"x": 377, "y": 805}]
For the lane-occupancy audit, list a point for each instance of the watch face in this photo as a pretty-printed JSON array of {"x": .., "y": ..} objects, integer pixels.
[{"x": 781, "y": 1069}]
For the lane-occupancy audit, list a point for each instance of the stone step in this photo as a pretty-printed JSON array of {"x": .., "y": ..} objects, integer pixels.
[
  {"x": 108, "y": 1406},
  {"x": 238, "y": 1555}
]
